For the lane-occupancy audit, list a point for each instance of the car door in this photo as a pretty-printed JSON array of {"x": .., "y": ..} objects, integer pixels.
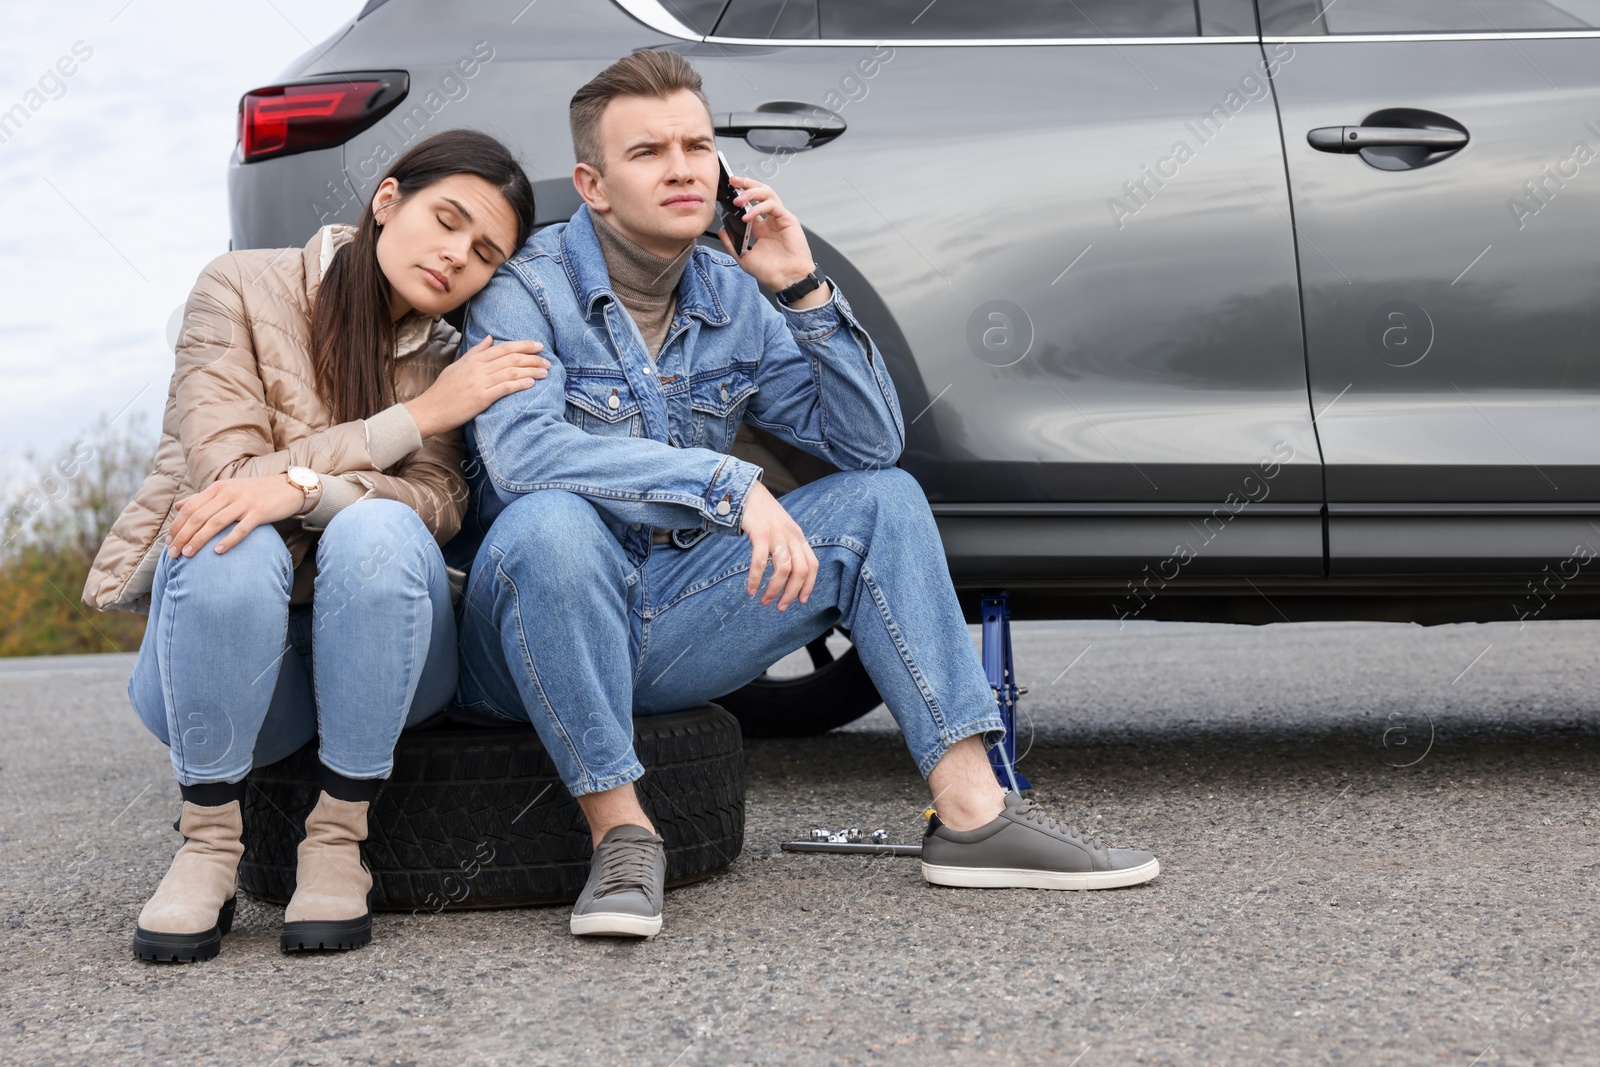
[
  {"x": 1442, "y": 158},
  {"x": 1068, "y": 227}
]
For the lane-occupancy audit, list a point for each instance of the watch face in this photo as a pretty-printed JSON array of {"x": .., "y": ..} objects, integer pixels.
[{"x": 304, "y": 477}]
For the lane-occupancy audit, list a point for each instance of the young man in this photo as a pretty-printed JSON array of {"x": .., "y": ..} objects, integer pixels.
[{"x": 613, "y": 581}]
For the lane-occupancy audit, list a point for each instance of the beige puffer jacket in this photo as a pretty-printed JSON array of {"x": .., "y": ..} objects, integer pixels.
[{"x": 243, "y": 403}]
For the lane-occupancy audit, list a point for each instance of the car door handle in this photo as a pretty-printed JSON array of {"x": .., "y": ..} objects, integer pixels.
[
  {"x": 795, "y": 127},
  {"x": 1355, "y": 138}
]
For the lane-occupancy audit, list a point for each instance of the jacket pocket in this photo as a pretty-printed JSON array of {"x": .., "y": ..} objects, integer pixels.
[
  {"x": 717, "y": 401},
  {"x": 603, "y": 405}
]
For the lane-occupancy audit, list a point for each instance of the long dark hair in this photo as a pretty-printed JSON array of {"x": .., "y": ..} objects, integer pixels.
[{"x": 352, "y": 331}]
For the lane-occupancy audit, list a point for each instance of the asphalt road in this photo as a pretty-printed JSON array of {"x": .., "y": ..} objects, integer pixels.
[{"x": 1380, "y": 844}]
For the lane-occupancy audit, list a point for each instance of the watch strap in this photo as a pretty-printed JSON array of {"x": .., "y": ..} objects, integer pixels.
[
  {"x": 809, "y": 284},
  {"x": 313, "y": 498}
]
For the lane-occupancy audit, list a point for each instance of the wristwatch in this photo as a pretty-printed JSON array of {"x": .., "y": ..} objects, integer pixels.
[
  {"x": 308, "y": 482},
  {"x": 809, "y": 284}
]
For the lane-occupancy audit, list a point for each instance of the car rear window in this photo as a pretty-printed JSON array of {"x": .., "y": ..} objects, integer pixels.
[
  {"x": 1318, "y": 17},
  {"x": 958, "y": 19}
]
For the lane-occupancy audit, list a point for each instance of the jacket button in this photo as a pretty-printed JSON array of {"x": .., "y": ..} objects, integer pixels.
[
  {"x": 724, "y": 394},
  {"x": 722, "y": 507},
  {"x": 612, "y": 402}
]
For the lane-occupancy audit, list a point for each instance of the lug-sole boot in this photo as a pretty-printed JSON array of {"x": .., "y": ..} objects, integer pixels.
[
  {"x": 193, "y": 906},
  {"x": 329, "y": 908}
]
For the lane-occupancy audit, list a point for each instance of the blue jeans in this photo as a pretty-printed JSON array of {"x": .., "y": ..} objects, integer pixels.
[
  {"x": 229, "y": 676},
  {"x": 559, "y": 629}
]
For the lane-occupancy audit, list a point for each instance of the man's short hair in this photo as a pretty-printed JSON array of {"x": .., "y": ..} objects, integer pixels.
[{"x": 648, "y": 73}]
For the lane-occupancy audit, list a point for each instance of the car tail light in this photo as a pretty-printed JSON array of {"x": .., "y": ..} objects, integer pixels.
[{"x": 281, "y": 120}]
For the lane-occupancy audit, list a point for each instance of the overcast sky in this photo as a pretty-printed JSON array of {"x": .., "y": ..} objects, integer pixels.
[{"x": 114, "y": 192}]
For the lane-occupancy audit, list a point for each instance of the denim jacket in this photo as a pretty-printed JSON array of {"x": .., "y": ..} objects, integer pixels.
[{"x": 647, "y": 440}]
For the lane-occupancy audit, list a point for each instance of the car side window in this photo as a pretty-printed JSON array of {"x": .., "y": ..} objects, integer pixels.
[
  {"x": 698, "y": 15},
  {"x": 789, "y": 20},
  {"x": 1317, "y": 17},
  {"x": 959, "y": 19}
]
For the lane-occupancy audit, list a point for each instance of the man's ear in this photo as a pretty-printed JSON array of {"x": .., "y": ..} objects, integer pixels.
[
  {"x": 590, "y": 186},
  {"x": 385, "y": 198}
]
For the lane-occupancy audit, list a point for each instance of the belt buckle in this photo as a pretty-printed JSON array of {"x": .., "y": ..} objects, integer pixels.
[{"x": 687, "y": 538}]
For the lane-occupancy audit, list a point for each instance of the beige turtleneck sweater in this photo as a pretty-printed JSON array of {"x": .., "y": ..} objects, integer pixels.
[{"x": 646, "y": 283}]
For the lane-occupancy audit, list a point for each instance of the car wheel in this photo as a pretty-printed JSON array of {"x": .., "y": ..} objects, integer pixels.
[
  {"x": 476, "y": 816},
  {"x": 835, "y": 691}
]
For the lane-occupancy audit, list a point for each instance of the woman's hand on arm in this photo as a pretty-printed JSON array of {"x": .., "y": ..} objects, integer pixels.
[
  {"x": 484, "y": 373},
  {"x": 250, "y": 502}
]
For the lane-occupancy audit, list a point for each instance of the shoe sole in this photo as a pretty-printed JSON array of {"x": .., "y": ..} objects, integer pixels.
[
  {"x": 157, "y": 947},
  {"x": 615, "y": 924},
  {"x": 326, "y": 935},
  {"x": 1017, "y": 878}
]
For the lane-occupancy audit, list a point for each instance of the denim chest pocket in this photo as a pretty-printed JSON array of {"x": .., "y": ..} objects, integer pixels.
[
  {"x": 603, "y": 405},
  {"x": 717, "y": 402}
]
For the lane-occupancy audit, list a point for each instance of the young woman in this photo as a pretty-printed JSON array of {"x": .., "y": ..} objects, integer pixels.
[{"x": 287, "y": 545}]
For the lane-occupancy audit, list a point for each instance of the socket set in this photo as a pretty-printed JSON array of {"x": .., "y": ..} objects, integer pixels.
[{"x": 850, "y": 841}]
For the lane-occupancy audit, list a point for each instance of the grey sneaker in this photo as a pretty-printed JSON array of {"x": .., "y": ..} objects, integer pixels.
[
  {"x": 623, "y": 895},
  {"x": 1026, "y": 849}
]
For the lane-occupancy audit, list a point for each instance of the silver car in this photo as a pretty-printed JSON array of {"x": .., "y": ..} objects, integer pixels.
[{"x": 1208, "y": 310}]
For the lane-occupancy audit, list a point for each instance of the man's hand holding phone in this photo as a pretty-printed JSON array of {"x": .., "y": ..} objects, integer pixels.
[{"x": 779, "y": 254}]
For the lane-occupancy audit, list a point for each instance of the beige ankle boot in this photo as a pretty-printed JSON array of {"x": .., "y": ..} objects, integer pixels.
[
  {"x": 193, "y": 906},
  {"x": 329, "y": 907}
]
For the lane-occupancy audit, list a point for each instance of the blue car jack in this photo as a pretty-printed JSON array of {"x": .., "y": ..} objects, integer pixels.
[{"x": 997, "y": 665}]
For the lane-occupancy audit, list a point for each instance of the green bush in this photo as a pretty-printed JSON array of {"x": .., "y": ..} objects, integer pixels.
[{"x": 53, "y": 527}]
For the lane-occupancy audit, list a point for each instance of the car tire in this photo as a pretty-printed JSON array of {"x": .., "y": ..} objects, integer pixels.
[
  {"x": 476, "y": 816},
  {"x": 836, "y": 691}
]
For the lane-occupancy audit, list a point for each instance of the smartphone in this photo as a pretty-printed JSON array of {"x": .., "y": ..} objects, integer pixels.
[{"x": 732, "y": 214}]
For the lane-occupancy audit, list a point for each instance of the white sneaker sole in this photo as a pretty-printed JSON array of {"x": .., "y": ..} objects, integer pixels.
[
  {"x": 615, "y": 924},
  {"x": 1014, "y": 878}
]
